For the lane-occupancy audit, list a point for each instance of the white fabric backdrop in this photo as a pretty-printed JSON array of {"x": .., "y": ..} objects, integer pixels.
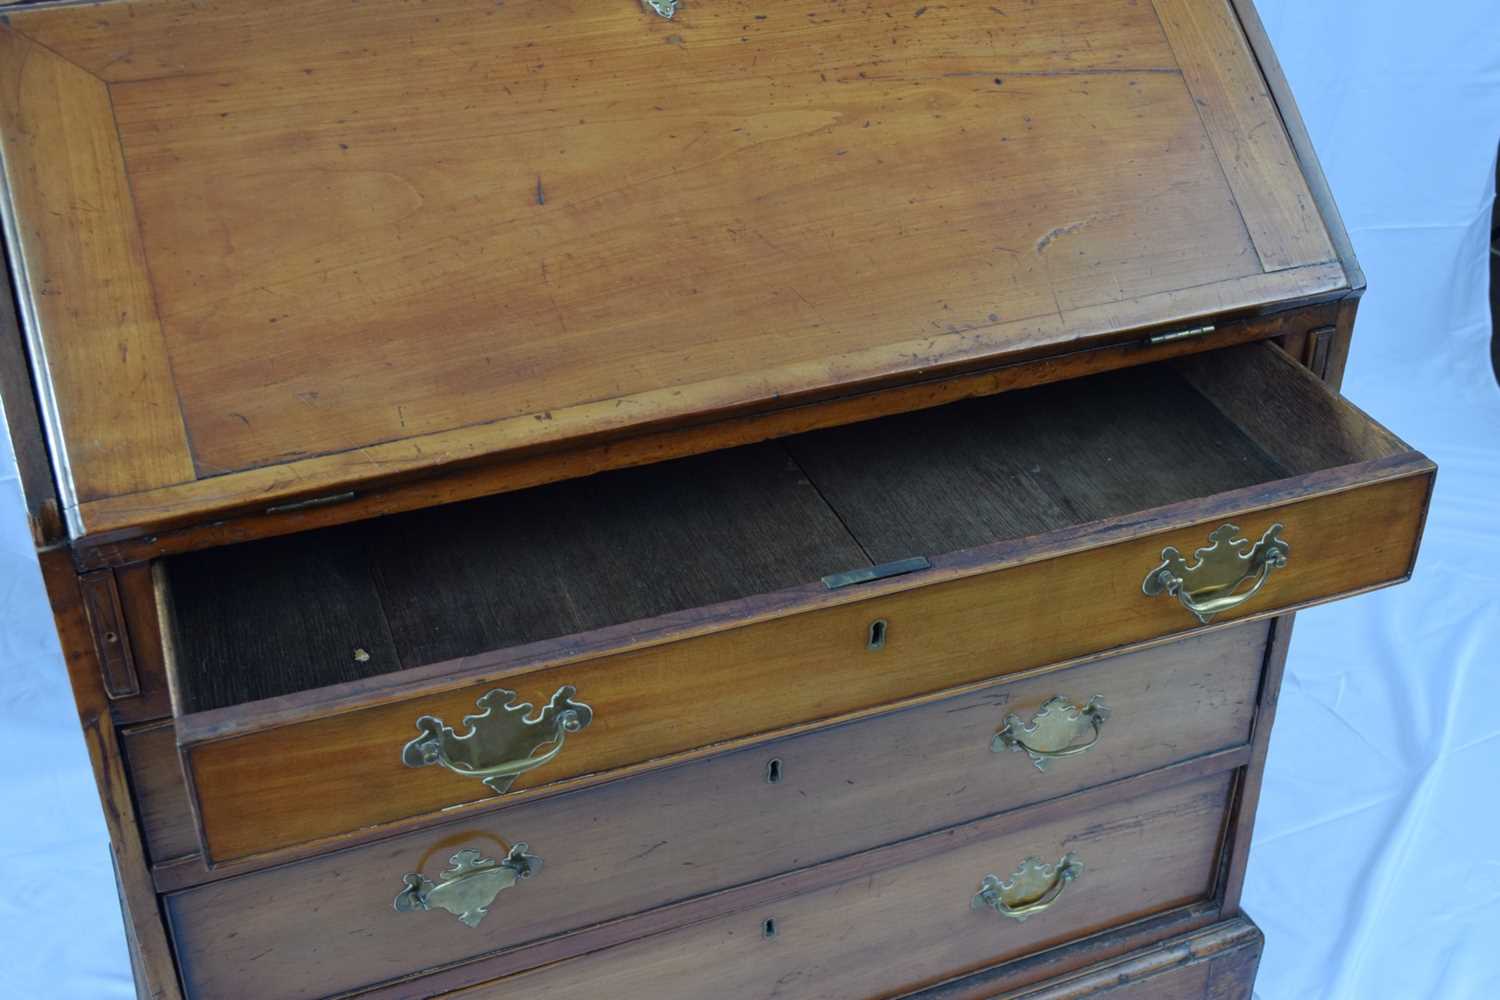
[
  {"x": 1375, "y": 871},
  {"x": 1376, "y": 867}
]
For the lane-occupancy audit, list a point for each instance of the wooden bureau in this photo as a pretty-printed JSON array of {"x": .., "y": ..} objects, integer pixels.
[{"x": 681, "y": 499}]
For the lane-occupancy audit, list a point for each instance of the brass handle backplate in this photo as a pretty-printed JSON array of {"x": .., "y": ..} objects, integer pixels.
[
  {"x": 1058, "y": 729},
  {"x": 502, "y": 742},
  {"x": 666, "y": 8},
  {"x": 1032, "y": 888},
  {"x": 467, "y": 889},
  {"x": 1211, "y": 583}
]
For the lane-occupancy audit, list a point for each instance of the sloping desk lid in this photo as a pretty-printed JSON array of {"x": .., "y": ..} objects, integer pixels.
[{"x": 273, "y": 250}]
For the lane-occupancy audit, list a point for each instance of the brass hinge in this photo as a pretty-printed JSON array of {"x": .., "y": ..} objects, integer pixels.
[
  {"x": 1167, "y": 338},
  {"x": 101, "y": 603}
]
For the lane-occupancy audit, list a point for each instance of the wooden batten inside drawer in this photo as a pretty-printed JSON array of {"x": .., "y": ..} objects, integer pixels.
[{"x": 683, "y": 601}]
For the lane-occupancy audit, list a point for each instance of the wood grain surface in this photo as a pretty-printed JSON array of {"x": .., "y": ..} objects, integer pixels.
[
  {"x": 799, "y": 656},
  {"x": 1025, "y": 463},
  {"x": 1307, "y": 156},
  {"x": 378, "y": 500},
  {"x": 631, "y": 845},
  {"x": 1247, "y": 799},
  {"x": 626, "y": 546},
  {"x": 287, "y": 615},
  {"x": 471, "y": 229},
  {"x": 151, "y": 959},
  {"x": 1242, "y": 120},
  {"x": 161, "y": 797},
  {"x": 907, "y": 926},
  {"x": 84, "y": 285},
  {"x": 475, "y": 247},
  {"x": 138, "y": 597},
  {"x": 303, "y": 768},
  {"x": 263, "y": 620},
  {"x": 23, "y": 423},
  {"x": 1216, "y": 963}
]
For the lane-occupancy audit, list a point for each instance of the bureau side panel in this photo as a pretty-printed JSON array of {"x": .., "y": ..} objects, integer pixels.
[{"x": 151, "y": 953}]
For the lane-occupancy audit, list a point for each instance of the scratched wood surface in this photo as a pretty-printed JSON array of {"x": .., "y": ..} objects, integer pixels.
[
  {"x": 283, "y": 615},
  {"x": 151, "y": 957},
  {"x": 1005, "y": 593},
  {"x": 654, "y": 703},
  {"x": 84, "y": 280},
  {"x": 470, "y": 229},
  {"x": 161, "y": 802},
  {"x": 279, "y": 616},
  {"x": 717, "y": 823},
  {"x": 1213, "y": 963},
  {"x": 912, "y": 925}
]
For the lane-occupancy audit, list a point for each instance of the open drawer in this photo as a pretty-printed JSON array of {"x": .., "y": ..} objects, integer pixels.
[{"x": 322, "y": 681}]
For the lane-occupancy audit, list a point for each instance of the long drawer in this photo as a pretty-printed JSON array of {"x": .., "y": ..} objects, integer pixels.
[
  {"x": 1217, "y": 962},
  {"x": 680, "y": 832},
  {"x": 925, "y": 920},
  {"x": 991, "y": 537}
]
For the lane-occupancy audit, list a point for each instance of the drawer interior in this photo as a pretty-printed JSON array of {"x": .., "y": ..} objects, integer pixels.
[{"x": 279, "y": 616}]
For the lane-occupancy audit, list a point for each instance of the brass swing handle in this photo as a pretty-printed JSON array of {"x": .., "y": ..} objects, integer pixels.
[
  {"x": 1051, "y": 732},
  {"x": 1210, "y": 584},
  {"x": 501, "y": 742},
  {"x": 469, "y": 886},
  {"x": 1032, "y": 888}
]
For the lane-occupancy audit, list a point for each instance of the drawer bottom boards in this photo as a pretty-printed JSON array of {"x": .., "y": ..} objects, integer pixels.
[{"x": 917, "y": 923}]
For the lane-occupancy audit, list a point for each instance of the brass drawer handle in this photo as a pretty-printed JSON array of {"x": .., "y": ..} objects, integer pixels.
[
  {"x": 467, "y": 889},
  {"x": 1033, "y": 887},
  {"x": 501, "y": 742},
  {"x": 1053, "y": 732},
  {"x": 1207, "y": 586}
]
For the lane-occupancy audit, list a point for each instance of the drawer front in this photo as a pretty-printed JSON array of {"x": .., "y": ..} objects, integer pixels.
[
  {"x": 295, "y": 774},
  {"x": 327, "y": 924},
  {"x": 1217, "y": 962},
  {"x": 161, "y": 799},
  {"x": 918, "y": 923}
]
